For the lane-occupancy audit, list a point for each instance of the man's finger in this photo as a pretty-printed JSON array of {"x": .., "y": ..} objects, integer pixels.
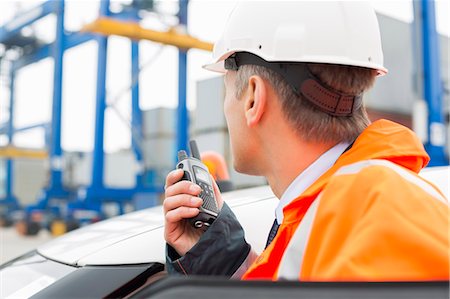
[
  {"x": 181, "y": 213},
  {"x": 183, "y": 187},
  {"x": 173, "y": 177},
  {"x": 173, "y": 202}
]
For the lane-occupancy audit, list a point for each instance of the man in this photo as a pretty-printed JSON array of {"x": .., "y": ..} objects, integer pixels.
[{"x": 352, "y": 206}]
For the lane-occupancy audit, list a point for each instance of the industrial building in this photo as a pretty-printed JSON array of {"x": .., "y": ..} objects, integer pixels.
[{"x": 46, "y": 186}]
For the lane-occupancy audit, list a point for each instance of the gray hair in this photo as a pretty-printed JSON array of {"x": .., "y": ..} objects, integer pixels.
[{"x": 312, "y": 124}]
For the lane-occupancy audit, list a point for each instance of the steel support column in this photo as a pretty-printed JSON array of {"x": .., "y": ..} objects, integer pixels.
[
  {"x": 9, "y": 194},
  {"x": 183, "y": 117},
  {"x": 136, "y": 115},
  {"x": 98, "y": 155},
  {"x": 433, "y": 89},
  {"x": 55, "y": 145}
]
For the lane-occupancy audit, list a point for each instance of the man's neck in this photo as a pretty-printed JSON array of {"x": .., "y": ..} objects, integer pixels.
[
  {"x": 293, "y": 157},
  {"x": 282, "y": 153}
]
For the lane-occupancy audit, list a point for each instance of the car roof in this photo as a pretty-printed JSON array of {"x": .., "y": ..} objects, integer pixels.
[
  {"x": 137, "y": 237},
  {"x": 440, "y": 177}
]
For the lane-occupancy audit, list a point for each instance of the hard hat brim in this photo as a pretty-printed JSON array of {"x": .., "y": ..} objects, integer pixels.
[{"x": 217, "y": 67}]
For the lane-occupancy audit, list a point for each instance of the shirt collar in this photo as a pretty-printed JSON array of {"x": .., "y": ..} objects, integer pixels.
[{"x": 308, "y": 177}]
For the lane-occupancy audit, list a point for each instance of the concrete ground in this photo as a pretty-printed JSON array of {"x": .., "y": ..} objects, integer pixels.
[{"x": 13, "y": 245}]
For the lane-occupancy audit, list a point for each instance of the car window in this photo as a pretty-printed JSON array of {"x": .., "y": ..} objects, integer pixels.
[
  {"x": 29, "y": 274},
  {"x": 114, "y": 281}
]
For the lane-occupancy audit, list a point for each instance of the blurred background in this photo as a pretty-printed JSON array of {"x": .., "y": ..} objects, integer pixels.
[{"x": 97, "y": 97}]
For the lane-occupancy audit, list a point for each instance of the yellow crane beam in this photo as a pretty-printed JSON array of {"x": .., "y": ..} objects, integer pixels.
[
  {"x": 109, "y": 26},
  {"x": 13, "y": 152}
]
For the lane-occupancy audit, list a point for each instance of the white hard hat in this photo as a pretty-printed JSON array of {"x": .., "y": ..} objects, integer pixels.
[{"x": 335, "y": 32}]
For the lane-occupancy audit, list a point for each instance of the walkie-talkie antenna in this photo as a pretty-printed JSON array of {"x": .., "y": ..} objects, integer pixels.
[
  {"x": 194, "y": 149},
  {"x": 182, "y": 155}
]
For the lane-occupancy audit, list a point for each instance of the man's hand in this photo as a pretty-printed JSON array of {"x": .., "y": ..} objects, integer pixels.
[{"x": 182, "y": 202}]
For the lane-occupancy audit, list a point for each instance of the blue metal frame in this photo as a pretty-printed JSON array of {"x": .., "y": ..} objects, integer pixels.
[
  {"x": 55, "y": 190},
  {"x": 13, "y": 27},
  {"x": 70, "y": 40},
  {"x": 45, "y": 126},
  {"x": 8, "y": 31},
  {"x": 92, "y": 196},
  {"x": 55, "y": 145},
  {"x": 136, "y": 114},
  {"x": 91, "y": 199},
  {"x": 10, "y": 201},
  {"x": 98, "y": 155},
  {"x": 432, "y": 83},
  {"x": 25, "y": 128},
  {"x": 56, "y": 50},
  {"x": 183, "y": 117},
  {"x": 11, "y": 106}
]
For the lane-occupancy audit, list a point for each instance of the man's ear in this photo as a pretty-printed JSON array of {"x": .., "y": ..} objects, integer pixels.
[{"x": 255, "y": 101}]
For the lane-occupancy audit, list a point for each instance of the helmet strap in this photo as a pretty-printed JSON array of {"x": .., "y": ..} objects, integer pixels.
[{"x": 303, "y": 82}]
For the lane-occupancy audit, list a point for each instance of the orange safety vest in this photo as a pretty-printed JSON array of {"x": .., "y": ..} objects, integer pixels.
[{"x": 368, "y": 218}]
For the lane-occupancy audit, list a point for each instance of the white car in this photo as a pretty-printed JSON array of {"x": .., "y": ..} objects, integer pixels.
[{"x": 117, "y": 257}]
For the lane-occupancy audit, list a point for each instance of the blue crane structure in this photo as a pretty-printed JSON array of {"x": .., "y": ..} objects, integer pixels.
[
  {"x": 430, "y": 75},
  {"x": 93, "y": 196}
]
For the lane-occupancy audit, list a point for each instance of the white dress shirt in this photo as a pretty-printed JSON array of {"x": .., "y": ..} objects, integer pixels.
[{"x": 309, "y": 176}]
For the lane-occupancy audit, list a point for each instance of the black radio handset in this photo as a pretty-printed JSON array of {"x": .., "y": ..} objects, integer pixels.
[{"x": 196, "y": 172}]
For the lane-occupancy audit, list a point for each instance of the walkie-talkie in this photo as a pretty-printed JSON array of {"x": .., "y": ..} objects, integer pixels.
[{"x": 196, "y": 172}]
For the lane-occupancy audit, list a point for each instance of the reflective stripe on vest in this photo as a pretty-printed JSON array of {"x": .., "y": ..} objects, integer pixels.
[
  {"x": 357, "y": 167},
  {"x": 291, "y": 263},
  {"x": 292, "y": 260}
]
